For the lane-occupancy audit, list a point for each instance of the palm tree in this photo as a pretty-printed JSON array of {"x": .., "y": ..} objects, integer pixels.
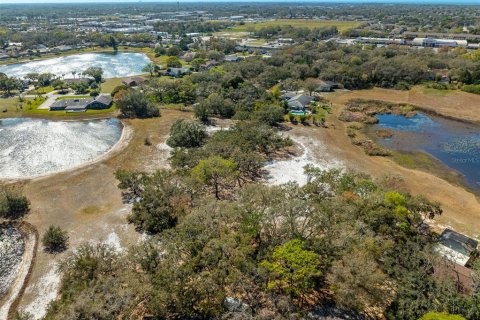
[{"x": 74, "y": 73}]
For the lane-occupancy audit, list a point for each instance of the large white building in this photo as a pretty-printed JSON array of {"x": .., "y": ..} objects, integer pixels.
[{"x": 430, "y": 42}]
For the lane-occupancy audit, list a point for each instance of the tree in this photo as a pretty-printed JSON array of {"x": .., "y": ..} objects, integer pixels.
[
  {"x": 214, "y": 171},
  {"x": 202, "y": 112},
  {"x": 310, "y": 85},
  {"x": 270, "y": 115},
  {"x": 151, "y": 68},
  {"x": 13, "y": 205},
  {"x": 95, "y": 72},
  {"x": 173, "y": 62},
  {"x": 292, "y": 269},
  {"x": 55, "y": 239},
  {"x": 134, "y": 104},
  {"x": 359, "y": 267},
  {"x": 186, "y": 134},
  {"x": 113, "y": 43}
]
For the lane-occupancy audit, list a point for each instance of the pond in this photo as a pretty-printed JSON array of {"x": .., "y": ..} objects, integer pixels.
[
  {"x": 456, "y": 144},
  {"x": 32, "y": 147},
  {"x": 114, "y": 65}
]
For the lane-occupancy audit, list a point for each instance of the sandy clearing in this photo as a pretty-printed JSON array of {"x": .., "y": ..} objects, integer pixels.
[{"x": 292, "y": 169}]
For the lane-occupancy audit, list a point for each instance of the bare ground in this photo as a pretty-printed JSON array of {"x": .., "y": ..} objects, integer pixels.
[
  {"x": 461, "y": 207},
  {"x": 453, "y": 104}
]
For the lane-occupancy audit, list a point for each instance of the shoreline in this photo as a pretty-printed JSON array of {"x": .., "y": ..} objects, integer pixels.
[{"x": 125, "y": 137}]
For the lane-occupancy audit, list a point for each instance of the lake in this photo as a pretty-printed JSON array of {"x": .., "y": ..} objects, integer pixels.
[
  {"x": 31, "y": 147},
  {"x": 456, "y": 144},
  {"x": 114, "y": 65}
]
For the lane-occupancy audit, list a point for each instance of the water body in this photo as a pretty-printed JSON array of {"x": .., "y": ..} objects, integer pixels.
[
  {"x": 456, "y": 144},
  {"x": 114, "y": 65},
  {"x": 31, "y": 147}
]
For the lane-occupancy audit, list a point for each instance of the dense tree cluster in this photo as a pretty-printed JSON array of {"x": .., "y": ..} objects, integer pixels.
[{"x": 134, "y": 104}]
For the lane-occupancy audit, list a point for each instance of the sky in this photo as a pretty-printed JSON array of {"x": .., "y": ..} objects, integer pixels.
[
  {"x": 313, "y": 1},
  {"x": 325, "y": 1}
]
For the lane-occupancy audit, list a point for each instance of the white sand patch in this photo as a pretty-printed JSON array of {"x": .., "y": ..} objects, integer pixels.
[
  {"x": 114, "y": 241},
  {"x": 46, "y": 291},
  {"x": 212, "y": 129},
  {"x": 292, "y": 170}
]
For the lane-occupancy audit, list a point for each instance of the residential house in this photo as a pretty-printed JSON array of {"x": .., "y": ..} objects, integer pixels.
[
  {"x": 133, "y": 81},
  {"x": 456, "y": 247},
  {"x": 232, "y": 58},
  {"x": 299, "y": 102},
  {"x": 178, "y": 72},
  {"x": 327, "y": 86},
  {"x": 103, "y": 101},
  {"x": 209, "y": 64}
]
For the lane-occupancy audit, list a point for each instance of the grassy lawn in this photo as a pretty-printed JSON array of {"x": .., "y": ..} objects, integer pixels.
[
  {"x": 10, "y": 107},
  {"x": 110, "y": 84},
  {"x": 434, "y": 92},
  {"x": 297, "y": 23},
  {"x": 41, "y": 90}
]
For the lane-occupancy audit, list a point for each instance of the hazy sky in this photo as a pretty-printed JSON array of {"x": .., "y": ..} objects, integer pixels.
[
  {"x": 337, "y": 1},
  {"x": 334, "y": 1}
]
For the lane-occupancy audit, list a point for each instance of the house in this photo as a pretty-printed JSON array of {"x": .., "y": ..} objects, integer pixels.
[
  {"x": 177, "y": 72},
  {"x": 299, "y": 102},
  {"x": 456, "y": 247},
  {"x": 232, "y": 58},
  {"x": 289, "y": 94},
  {"x": 188, "y": 56},
  {"x": 327, "y": 86},
  {"x": 71, "y": 105},
  {"x": 209, "y": 64},
  {"x": 103, "y": 101},
  {"x": 133, "y": 81}
]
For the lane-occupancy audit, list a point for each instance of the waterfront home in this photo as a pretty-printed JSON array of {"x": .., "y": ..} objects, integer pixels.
[{"x": 103, "y": 101}]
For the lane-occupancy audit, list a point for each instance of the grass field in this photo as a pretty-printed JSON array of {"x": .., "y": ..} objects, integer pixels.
[
  {"x": 297, "y": 23},
  {"x": 41, "y": 90},
  {"x": 110, "y": 84}
]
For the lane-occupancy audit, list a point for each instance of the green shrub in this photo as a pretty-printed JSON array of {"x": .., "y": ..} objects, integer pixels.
[
  {"x": 13, "y": 205},
  {"x": 55, "y": 239},
  {"x": 472, "y": 88}
]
